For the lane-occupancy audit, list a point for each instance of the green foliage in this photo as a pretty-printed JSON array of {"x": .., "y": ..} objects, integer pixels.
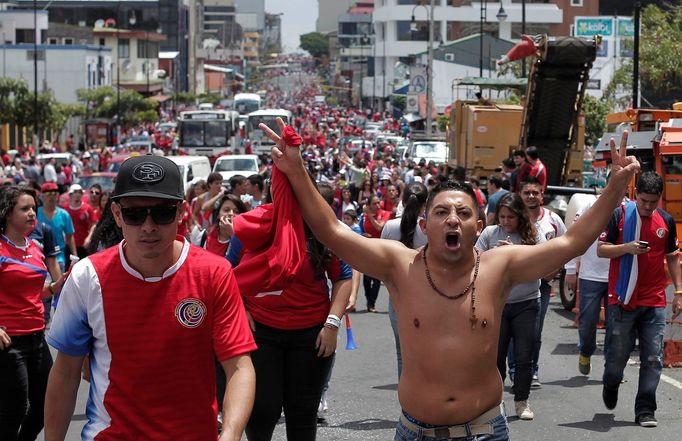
[
  {"x": 660, "y": 65},
  {"x": 212, "y": 98},
  {"x": 13, "y": 97},
  {"x": 398, "y": 101},
  {"x": 443, "y": 121},
  {"x": 147, "y": 116},
  {"x": 184, "y": 98},
  {"x": 104, "y": 103},
  {"x": 595, "y": 112},
  {"x": 316, "y": 44}
]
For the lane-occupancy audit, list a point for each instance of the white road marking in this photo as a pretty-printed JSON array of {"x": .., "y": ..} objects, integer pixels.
[{"x": 664, "y": 377}]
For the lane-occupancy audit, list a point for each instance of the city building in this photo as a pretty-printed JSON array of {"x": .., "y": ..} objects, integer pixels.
[
  {"x": 355, "y": 45},
  {"x": 272, "y": 35},
  {"x": 454, "y": 19},
  {"x": 252, "y": 48},
  {"x": 329, "y": 12},
  {"x": 64, "y": 66},
  {"x": 627, "y": 7}
]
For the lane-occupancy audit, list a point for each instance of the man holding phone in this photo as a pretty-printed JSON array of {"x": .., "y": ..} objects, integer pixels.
[{"x": 639, "y": 239}]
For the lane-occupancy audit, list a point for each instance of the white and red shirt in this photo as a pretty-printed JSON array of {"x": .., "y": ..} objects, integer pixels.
[
  {"x": 22, "y": 277},
  {"x": 151, "y": 342},
  {"x": 83, "y": 219},
  {"x": 659, "y": 230},
  {"x": 539, "y": 171},
  {"x": 549, "y": 224}
]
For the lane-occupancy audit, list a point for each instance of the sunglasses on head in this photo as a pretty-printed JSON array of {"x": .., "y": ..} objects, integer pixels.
[{"x": 161, "y": 214}]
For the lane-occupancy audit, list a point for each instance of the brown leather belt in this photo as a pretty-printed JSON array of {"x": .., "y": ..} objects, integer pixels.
[{"x": 477, "y": 426}]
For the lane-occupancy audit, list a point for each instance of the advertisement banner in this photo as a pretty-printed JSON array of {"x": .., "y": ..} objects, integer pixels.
[{"x": 589, "y": 27}]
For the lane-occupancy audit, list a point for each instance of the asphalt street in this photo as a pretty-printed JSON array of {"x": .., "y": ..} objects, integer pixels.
[{"x": 363, "y": 402}]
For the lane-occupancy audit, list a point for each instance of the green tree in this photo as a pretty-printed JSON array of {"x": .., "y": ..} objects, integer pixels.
[
  {"x": 316, "y": 44},
  {"x": 13, "y": 95},
  {"x": 660, "y": 66},
  {"x": 104, "y": 102},
  {"x": 595, "y": 111},
  {"x": 184, "y": 98}
]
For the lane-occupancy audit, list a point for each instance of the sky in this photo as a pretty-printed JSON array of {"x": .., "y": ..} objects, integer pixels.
[{"x": 299, "y": 18}]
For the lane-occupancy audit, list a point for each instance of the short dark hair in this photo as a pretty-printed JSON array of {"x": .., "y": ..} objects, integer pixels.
[
  {"x": 519, "y": 152},
  {"x": 531, "y": 180},
  {"x": 257, "y": 180},
  {"x": 496, "y": 180},
  {"x": 214, "y": 177},
  {"x": 236, "y": 180},
  {"x": 326, "y": 191},
  {"x": 650, "y": 182},
  {"x": 452, "y": 186},
  {"x": 532, "y": 152},
  {"x": 509, "y": 163}
]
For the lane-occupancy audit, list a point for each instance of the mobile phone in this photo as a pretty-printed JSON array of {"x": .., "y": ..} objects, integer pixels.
[{"x": 643, "y": 244}]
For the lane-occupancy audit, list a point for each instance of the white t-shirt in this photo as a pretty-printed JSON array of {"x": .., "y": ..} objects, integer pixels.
[
  {"x": 592, "y": 267},
  {"x": 391, "y": 231}
]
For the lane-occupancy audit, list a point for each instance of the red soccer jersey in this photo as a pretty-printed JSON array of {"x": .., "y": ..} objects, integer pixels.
[
  {"x": 83, "y": 218},
  {"x": 214, "y": 245},
  {"x": 539, "y": 171},
  {"x": 22, "y": 277},
  {"x": 152, "y": 342},
  {"x": 369, "y": 228},
  {"x": 659, "y": 230}
]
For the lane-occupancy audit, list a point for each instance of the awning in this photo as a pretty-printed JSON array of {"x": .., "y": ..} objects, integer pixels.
[
  {"x": 214, "y": 68},
  {"x": 412, "y": 117},
  {"x": 159, "y": 98},
  {"x": 168, "y": 55}
]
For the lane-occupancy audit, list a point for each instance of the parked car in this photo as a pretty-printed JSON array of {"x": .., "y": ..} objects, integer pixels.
[
  {"x": 192, "y": 167},
  {"x": 105, "y": 179},
  {"x": 231, "y": 165},
  {"x": 62, "y": 158}
]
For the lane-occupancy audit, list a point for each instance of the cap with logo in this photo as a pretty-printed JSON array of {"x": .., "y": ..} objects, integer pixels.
[
  {"x": 49, "y": 186},
  {"x": 149, "y": 176},
  {"x": 75, "y": 187}
]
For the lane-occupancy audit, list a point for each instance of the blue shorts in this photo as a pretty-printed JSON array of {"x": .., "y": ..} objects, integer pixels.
[{"x": 411, "y": 429}]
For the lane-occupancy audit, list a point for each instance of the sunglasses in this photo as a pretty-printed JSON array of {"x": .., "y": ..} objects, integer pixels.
[
  {"x": 95, "y": 193},
  {"x": 161, "y": 214}
]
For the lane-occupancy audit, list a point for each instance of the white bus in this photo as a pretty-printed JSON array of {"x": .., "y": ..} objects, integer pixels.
[
  {"x": 208, "y": 132},
  {"x": 260, "y": 143},
  {"x": 245, "y": 103}
]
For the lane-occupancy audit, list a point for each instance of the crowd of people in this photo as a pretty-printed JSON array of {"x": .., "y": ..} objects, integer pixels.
[{"x": 240, "y": 287}]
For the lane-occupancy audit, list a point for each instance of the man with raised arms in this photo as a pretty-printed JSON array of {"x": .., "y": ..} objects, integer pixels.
[{"x": 449, "y": 297}]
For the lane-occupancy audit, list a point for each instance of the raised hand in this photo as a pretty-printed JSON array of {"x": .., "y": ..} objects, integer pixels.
[
  {"x": 286, "y": 158},
  {"x": 623, "y": 167}
]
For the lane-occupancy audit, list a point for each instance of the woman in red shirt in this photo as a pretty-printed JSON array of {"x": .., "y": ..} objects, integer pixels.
[
  {"x": 25, "y": 359},
  {"x": 373, "y": 221}
]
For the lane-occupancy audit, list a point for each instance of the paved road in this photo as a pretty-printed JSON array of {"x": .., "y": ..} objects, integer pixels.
[{"x": 363, "y": 403}]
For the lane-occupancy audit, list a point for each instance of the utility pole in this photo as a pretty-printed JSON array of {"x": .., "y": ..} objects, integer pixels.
[
  {"x": 429, "y": 73},
  {"x": 35, "y": 75},
  {"x": 635, "y": 58}
]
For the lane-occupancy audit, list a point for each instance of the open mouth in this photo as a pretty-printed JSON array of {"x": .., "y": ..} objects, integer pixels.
[{"x": 452, "y": 240}]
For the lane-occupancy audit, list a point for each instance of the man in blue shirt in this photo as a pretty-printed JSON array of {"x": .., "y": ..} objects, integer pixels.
[{"x": 495, "y": 192}]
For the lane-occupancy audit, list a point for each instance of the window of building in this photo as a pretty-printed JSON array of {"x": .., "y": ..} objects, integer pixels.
[
  {"x": 577, "y": 3},
  {"x": 102, "y": 42},
  {"x": 147, "y": 49},
  {"x": 421, "y": 34},
  {"x": 52, "y": 40},
  {"x": 24, "y": 36},
  {"x": 68, "y": 40},
  {"x": 124, "y": 48},
  {"x": 409, "y": 2}
]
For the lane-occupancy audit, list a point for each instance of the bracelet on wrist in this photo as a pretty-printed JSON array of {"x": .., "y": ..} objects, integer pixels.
[
  {"x": 678, "y": 293},
  {"x": 333, "y": 321}
]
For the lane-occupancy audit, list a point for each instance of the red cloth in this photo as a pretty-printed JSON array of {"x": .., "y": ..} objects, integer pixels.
[
  {"x": 380, "y": 216},
  {"x": 273, "y": 239},
  {"x": 290, "y": 137}
]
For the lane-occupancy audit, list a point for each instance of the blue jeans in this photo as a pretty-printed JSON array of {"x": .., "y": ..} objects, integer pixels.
[
  {"x": 647, "y": 324},
  {"x": 592, "y": 295},
  {"x": 499, "y": 423},
  {"x": 545, "y": 291},
  {"x": 394, "y": 326},
  {"x": 518, "y": 322}
]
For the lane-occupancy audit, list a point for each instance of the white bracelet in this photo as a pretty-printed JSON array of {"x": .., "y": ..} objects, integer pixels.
[{"x": 333, "y": 321}]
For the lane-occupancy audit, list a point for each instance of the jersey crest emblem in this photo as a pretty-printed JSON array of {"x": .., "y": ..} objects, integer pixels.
[
  {"x": 190, "y": 312},
  {"x": 660, "y": 233}
]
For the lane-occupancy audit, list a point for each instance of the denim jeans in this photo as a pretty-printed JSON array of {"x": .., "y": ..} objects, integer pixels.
[
  {"x": 518, "y": 322},
  {"x": 289, "y": 376},
  {"x": 394, "y": 325},
  {"x": 372, "y": 287},
  {"x": 592, "y": 295},
  {"x": 545, "y": 291},
  {"x": 499, "y": 423},
  {"x": 648, "y": 325},
  {"x": 24, "y": 368}
]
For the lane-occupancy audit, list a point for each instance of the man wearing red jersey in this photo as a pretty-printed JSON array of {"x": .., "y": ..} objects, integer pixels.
[
  {"x": 82, "y": 216},
  {"x": 151, "y": 312},
  {"x": 639, "y": 239}
]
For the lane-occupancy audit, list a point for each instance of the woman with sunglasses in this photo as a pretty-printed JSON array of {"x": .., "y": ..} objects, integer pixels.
[
  {"x": 25, "y": 359},
  {"x": 519, "y": 316},
  {"x": 366, "y": 192}
]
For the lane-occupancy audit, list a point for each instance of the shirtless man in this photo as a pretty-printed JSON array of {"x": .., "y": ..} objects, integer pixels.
[{"x": 448, "y": 318}]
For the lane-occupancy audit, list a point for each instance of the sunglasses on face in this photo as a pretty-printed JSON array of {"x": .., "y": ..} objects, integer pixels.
[
  {"x": 50, "y": 192},
  {"x": 161, "y": 214},
  {"x": 94, "y": 193}
]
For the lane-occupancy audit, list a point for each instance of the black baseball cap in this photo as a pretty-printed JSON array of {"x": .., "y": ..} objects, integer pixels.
[{"x": 149, "y": 176}]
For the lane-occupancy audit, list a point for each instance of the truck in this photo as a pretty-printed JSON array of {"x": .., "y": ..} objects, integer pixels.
[{"x": 483, "y": 133}]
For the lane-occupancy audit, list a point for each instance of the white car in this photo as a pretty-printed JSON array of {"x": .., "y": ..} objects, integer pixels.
[
  {"x": 436, "y": 151},
  {"x": 231, "y": 165}
]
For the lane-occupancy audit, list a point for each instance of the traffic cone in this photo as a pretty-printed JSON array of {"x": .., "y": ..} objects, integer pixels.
[
  {"x": 350, "y": 342},
  {"x": 524, "y": 48}
]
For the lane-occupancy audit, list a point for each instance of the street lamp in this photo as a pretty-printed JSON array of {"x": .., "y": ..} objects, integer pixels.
[
  {"x": 501, "y": 14},
  {"x": 363, "y": 41},
  {"x": 523, "y": 32},
  {"x": 429, "y": 65},
  {"x": 484, "y": 16}
]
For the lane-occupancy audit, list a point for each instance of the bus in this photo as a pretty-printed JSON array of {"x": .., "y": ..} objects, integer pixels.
[
  {"x": 245, "y": 103},
  {"x": 208, "y": 132},
  {"x": 260, "y": 143}
]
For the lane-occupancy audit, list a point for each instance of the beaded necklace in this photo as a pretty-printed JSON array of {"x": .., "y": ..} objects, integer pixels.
[{"x": 471, "y": 287}]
